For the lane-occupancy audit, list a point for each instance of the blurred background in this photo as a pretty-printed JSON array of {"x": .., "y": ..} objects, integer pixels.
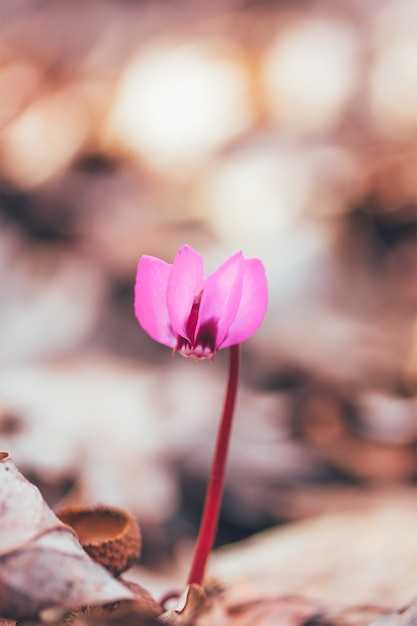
[{"x": 284, "y": 129}]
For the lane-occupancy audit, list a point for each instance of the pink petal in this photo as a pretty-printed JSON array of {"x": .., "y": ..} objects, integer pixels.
[
  {"x": 185, "y": 283},
  {"x": 150, "y": 299},
  {"x": 253, "y": 304},
  {"x": 221, "y": 297}
]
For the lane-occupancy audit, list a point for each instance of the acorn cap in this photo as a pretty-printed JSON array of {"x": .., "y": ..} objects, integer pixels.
[{"x": 111, "y": 536}]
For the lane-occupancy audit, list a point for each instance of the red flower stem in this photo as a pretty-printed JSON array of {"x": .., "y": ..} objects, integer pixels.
[{"x": 209, "y": 521}]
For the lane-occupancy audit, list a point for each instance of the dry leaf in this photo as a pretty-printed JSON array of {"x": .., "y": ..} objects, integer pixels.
[
  {"x": 187, "y": 607},
  {"x": 406, "y": 616},
  {"x": 142, "y": 606},
  {"x": 197, "y": 607},
  {"x": 285, "y": 611},
  {"x": 360, "y": 615},
  {"x": 362, "y": 556},
  {"x": 23, "y": 511},
  {"x": 42, "y": 564}
]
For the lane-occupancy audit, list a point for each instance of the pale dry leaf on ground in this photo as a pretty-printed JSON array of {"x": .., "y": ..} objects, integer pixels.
[
  {"x": 24, "y": 513},
  {"x": 46, "y": 568},
  {"x": 198, "y": 606},
  {"x": 268, "y": 611},
  {"x": 406, "y": 616},
  {"x": 142, "y": 610},
  {"x": 209, "y": 607},
  {"x": 348, "y": 558}
]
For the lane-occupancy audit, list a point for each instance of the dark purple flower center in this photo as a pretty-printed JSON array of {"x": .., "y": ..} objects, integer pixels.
[{"x": 204, "y": 345}]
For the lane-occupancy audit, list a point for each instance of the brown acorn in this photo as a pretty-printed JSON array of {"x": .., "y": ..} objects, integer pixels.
[{"x": 111, "y": 536}]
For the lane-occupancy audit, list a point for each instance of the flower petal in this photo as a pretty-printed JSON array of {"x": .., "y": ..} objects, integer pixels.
[
  {"x": 253, "y": 304},
  {"x": 150, "y": 299},
  {"x": 221, "y": 298},
  {"x": 185, "y": 283}
]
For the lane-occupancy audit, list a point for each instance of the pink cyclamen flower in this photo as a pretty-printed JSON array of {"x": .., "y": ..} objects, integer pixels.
[{"x": 180, "y": 308}]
